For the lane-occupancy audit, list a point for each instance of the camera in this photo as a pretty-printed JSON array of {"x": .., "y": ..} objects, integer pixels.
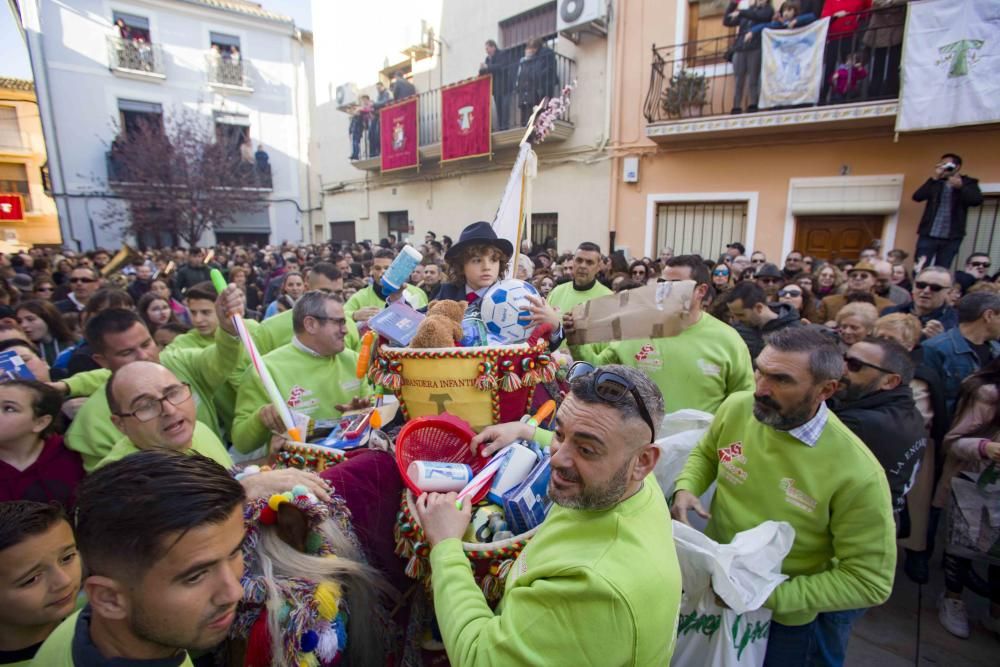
[{"x": 949, "y": 167}]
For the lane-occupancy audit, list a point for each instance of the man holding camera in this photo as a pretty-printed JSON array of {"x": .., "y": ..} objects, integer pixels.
[{"x": 948, "y": 195}]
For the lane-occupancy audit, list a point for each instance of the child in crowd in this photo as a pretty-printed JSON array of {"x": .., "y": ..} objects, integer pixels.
[
  {"x": 845, "y": 82},
  {"x": 789, "y": 16},
  {"x": 475, "y": 263},
  {"x": 40, "y": 574},
  {"x": 34, "y": 462}
]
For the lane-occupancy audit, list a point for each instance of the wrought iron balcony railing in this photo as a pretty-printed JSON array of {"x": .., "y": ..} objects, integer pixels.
[{"x": 135, "y": 56}]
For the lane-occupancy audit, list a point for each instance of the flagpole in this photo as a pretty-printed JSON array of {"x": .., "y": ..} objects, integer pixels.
[{"x": 524, "y": 176}]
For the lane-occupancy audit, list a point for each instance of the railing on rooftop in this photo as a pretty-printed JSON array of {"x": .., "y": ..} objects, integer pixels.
[
  {"x": 696, "y": 79},
  {"x": 515, "y": 89},
  {"x": 135, "y": 55}
]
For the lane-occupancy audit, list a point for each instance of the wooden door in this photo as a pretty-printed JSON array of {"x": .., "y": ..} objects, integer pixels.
[{"x": 836, "y": 237}]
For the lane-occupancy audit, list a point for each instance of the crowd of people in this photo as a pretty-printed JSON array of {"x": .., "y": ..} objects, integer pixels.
[
  {"x": 862, "y": 54},
  {"x": 849, "y": 397}
]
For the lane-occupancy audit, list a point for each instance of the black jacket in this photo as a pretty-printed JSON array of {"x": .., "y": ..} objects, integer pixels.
[
  {"x": 747, "y": 19},
  {"x": 536, "y": 78},
  {"x": 754, "y": 337},
  {"x": 189, "y": 276},
  {"x": 968, "y": 195},
  {"x": 502, "y": 67},
  {"x": 890, "y": 424},
  {"x": 401, "y": 89}
]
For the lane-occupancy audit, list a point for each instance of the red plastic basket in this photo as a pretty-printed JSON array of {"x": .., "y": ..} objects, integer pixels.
[{"x": 442, "y": 438}]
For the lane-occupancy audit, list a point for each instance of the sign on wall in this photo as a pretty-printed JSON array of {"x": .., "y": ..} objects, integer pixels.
[{"x": 465, "y": 119}]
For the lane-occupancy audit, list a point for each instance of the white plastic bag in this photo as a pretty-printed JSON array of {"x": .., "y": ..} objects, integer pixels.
[
  {"x": 743, "y": 574},
  {"x": 680, "y": 432}
]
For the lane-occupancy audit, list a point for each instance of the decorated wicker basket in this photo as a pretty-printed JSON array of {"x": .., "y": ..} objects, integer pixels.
[
  {"x": 491, "y": 561},
  {"x": 306, "y": 457},
  {"x": 482, "y": 385}
]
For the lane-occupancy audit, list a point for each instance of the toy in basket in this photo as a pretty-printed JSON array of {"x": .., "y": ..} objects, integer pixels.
[
  {"x": 482, "y": 385},
  {"x": 445, "y": 440}
]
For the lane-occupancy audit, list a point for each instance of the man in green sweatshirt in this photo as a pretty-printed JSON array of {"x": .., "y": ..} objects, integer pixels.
[
  {"x": 119, "y": 337},
  {"x": 155, "y": 410},
  {"x": 695, "y": 369},
  {"x": 163, "y": 568},
  {"x": 599, "y": 583},
  {"x": 369, "y": 301},
  {"x": 779, "y": 453},
  {"x": 314, "y": 373},
  {"x": 583, "y": 287}
]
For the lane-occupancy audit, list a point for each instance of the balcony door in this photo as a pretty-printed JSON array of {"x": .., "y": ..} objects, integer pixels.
[{"x": 835, "y": 237}]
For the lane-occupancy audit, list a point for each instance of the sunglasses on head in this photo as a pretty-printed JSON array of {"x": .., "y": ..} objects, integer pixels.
[
  {"x": 931, "y": 286},
  {"x": 611, "y": 387},
  {"x": 854, "y": 365},
  {"x": 789, "y": 292}
]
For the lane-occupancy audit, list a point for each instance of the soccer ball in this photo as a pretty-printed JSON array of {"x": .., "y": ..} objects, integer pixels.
[{"x": 505, "y": 311}]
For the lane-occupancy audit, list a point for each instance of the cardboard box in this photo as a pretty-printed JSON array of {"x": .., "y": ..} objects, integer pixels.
[{"x": 651, "y": 311}]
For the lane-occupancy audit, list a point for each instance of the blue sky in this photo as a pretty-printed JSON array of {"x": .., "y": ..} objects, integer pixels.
[{"x": 14, "y": 55}]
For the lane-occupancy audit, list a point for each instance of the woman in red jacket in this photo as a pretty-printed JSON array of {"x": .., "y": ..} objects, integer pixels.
[{"x": 843, "y": 38}]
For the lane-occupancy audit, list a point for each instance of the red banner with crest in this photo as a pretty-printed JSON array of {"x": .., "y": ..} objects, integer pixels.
[
  {"x": 399, "y": 140},
  {"x": 11, "y": 208},
  {"x": 465, "y": 119}
]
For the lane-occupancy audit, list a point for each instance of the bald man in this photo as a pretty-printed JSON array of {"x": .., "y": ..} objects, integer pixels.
[{"x": 155, "y": 410}]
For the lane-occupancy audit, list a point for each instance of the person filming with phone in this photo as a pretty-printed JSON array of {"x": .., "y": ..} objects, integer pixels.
[{"x": 949, "y": 194}]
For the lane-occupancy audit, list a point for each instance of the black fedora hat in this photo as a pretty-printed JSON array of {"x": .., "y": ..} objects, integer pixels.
[{"x": 479, "y": 233}]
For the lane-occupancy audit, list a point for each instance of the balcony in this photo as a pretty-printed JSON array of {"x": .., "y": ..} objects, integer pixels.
[
  {"x": 228, "y": 74},
  {"x": 136, "y": 59},
  {"x": 507, "y": 127},
  {"x": 692, "y": 88}
]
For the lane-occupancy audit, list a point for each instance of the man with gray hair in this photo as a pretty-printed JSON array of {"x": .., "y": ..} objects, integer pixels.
[
  {"x": 314, "y": 372},
  {"x": 599, "y": 583},
  {"x": 778, "y": 453},
  {"x": 930, "y": 302}
]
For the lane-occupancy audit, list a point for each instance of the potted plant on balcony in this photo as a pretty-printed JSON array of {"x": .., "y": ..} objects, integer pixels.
[{"x": 686, "y": 95}]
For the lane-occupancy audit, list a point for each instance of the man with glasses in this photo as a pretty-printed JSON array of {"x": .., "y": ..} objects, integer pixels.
[
  {"x": 602, "y": 567},
  {"x": 977, "y": 267},
  {"x": 83, "y": 282},
  {"x": 875, "y": 401},
  {"x": 758, "y": 259},
  {"x": 739, "y": 264},
  {"x": 754, "y": 318},
  {"x": 930, "y": 302},
  {"x": 860, "y": 279},
  {"x": 770, "y": 279},
  {"x": 314, "y": 371},
  {"x": 118, "y": 337},
  {"x": 778, "y": 453},
  {"x": 793, "y": 265},
  {"x": 698, "y": 367}
]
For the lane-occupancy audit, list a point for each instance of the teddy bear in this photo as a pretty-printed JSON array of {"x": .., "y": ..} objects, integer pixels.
[{"x": 443, "y": 325}]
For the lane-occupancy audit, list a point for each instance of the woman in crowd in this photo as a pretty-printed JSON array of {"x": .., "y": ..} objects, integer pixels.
[
  {"x": 794, "y": 296},
  {"x": 828, "y": 281},
  {"x": 155, "y": 311},
  {"x": 972, "y": 446},
  {"x": 45, "y": 287},
  {"x": 722, "y": 279},
  {"x": 34, "y": 463},
  {"x": 544, "y": 282},
  {"x": 901, "y": 277},
  {"x": 241, "y": 277},
  {"x": 293, "y": 287},
  {"x": 855, "y": 321},
  {"x": 161, "y": 288},
  {"x": 638, "y": 272},
  {"x": 45, "y": 328}
]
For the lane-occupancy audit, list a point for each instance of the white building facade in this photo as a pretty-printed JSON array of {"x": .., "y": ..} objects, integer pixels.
[
  {"x": 245, "y": 69},
  {"x": 571, "y": 191}
]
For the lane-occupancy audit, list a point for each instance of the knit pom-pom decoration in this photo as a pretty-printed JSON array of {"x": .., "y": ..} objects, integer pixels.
[
  {"x": 530, "y": 375},
  {"x": 486, "y": 381},
  {"x": 547, "y": 368},
  {"x": 509, "y": 381}
]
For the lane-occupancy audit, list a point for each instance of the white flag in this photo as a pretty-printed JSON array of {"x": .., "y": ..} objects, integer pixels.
[
  {"x": 513, "y": 219},
  {"x": 792, "y": 65},
  {"x": 951, "y": 64}
]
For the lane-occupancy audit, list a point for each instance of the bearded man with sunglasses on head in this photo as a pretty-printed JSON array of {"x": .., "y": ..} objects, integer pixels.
[
  {"x": 599, "y": 583},
  {"x": 930, "y": 302}
]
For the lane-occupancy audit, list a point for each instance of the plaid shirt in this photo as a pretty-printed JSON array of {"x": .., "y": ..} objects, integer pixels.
[
  {"x": 941, "y": 227},
  {"x": 808, "y": 434}
]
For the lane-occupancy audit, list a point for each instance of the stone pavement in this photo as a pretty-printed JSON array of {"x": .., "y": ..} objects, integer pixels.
[{"x": 887, "y": 636}]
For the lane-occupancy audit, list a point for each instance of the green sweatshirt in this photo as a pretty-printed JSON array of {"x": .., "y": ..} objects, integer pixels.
[
  {"x": 277, "y": 331},
  {"x": 312, "y": 385},
  {"x": 577, "y": 594},
  {"x": 57, "y": 651},
  {"x": 834, "y": 494},
  {"x": 565, "y": 298},
  {"x": 93, "y": 435},
  {"x": 192, "y": 340},
  {"x": 367, "y": 297},
  {"x": 203, "y": 441},
  {"x": 696, "y": 369},
  {"x": 87, "y": 382}
]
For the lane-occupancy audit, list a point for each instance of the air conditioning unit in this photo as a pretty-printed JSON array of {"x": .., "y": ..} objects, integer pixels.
[
  {"x": 347, "y": 96},
  {"x": 575, "y": 16}
]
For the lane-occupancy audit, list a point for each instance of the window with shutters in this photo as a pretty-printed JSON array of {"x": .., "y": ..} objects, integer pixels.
[
  {"x": 545, "y": 230},
  {"x": 539, "y": 22},
  {"x": 700, "y": 228},
  {"x": 10, "y": 131},
  {"x": 981, "y": 233},
  {"x": 135, "y": 115}
]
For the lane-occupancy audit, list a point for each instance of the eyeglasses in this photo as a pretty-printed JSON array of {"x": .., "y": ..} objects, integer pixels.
[
  {"x": 756, "y": 261},
  {"x": 612, "y": 388},
  {"x": 854, "y": 365},
  {"x": 789, "y": 292},
  {"x": 339, "y": 321},
  {"x": 720, "y": 273},
  {"x": 45, "y": 289},
  {"x": 82, "y": 280},
  {"x": 637, "y": 272},
  {"x": 921, "y": 285},
  {"x": 769, "y": 281},
  {"x": 151, "y": 408},
  {"x": 980, "y": 265}
]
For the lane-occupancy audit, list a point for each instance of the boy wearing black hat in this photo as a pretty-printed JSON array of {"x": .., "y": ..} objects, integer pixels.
[{"x": 475, "y": 263}]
